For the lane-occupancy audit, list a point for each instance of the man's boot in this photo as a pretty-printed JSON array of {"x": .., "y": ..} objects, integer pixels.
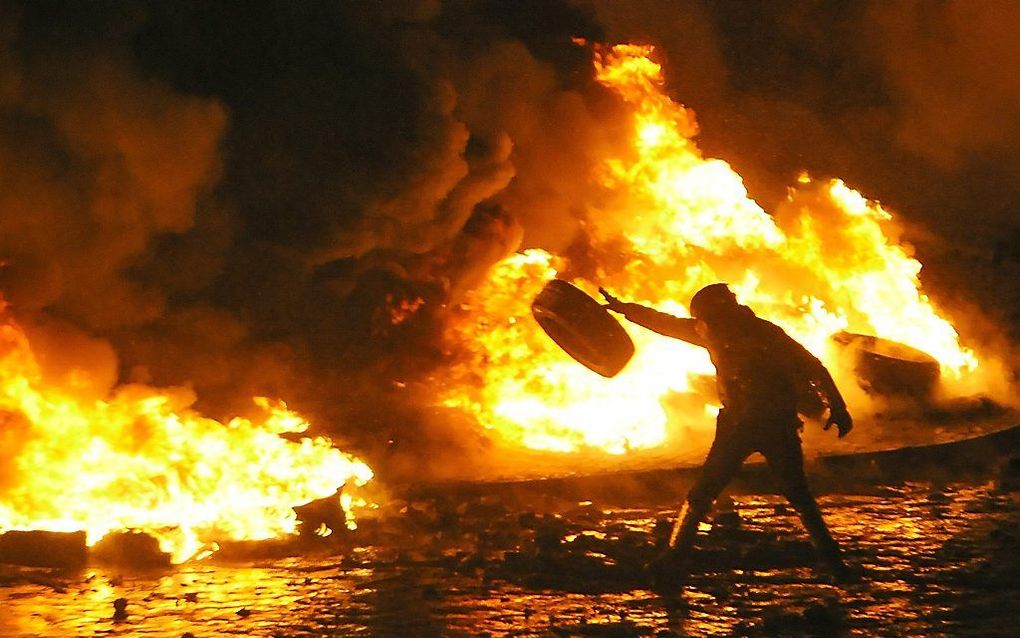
[
  {"x": 681, "y": 539},
  {"x": 669, "y": 568},
  {"x": 826, "y": 545}
]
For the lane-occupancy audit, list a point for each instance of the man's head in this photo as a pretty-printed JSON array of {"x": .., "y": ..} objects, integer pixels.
[{"x": 713, "y": 301}]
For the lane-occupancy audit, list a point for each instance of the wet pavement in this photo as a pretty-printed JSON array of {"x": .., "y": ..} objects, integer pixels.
[{"x": 937, "y": 560}]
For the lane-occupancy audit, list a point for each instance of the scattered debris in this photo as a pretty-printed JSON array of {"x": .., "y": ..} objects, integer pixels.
[
  {"x": 120, "y": 609},
  {"x": 624, "y": 629},
  {"x": 43, "y": 549},
  {"x": 1009, "y": 475},
  {"x": 130, "y": 549}
]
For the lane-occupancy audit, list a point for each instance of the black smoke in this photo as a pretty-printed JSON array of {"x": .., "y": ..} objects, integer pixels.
[
  {"x": 911, "y": 100},
  {"x": 240, "y": 196}
]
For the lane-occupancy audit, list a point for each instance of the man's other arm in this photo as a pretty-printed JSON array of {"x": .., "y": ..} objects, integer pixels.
[{"x": 816, "y": 371}]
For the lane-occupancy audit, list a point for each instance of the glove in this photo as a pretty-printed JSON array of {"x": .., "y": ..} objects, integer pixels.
[
  {"x": 841, "y": 419},
  {"x": 612, "y": 303}
]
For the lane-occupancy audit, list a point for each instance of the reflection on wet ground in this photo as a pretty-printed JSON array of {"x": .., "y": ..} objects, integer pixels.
[{"x": 936, "y": 561}]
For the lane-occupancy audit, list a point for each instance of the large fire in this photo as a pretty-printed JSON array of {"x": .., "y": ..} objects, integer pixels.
[
  {"x": 142, "y": 460},
  {"x": 671, "y": 222}
]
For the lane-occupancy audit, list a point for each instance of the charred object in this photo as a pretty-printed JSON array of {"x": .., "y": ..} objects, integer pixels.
[
  {"x": 130, "y": 549},
  {"x": 43, "y": 549},
  {"x": 888, "y": 367},
  {"x": 582, "y": 328}
]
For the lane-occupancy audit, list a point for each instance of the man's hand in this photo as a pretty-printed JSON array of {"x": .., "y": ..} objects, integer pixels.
[
  {"x": 612, "y": 303},
  {"x": 841, "y": 419}
]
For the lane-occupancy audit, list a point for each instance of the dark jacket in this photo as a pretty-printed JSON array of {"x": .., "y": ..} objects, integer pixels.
[{"x": 761, "y": 371}]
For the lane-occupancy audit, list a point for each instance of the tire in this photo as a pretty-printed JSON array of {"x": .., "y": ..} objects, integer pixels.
[
  {"x": 889, "y": 367},
  {"x": 582, "y": 328}
]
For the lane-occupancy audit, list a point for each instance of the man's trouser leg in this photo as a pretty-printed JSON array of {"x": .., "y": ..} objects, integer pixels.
[
  {"x": 786, "y": 460},
  {"x": 723, "y": 462}
]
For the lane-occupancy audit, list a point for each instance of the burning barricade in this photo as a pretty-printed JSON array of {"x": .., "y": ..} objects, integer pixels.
[
  {"x": 143, "y": 461},
  {"x": 827, "y": 266}
]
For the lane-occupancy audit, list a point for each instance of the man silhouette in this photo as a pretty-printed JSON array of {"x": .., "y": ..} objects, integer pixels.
[{"x": 759, "y": 373}]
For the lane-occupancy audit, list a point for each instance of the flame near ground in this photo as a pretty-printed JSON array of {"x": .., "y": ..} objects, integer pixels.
[
  {"x": 142, "y": 460},
  {"x": 670, "y": 222}
]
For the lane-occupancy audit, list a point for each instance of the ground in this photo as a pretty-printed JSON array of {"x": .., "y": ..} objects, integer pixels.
[{"x": 937, "y": 559}]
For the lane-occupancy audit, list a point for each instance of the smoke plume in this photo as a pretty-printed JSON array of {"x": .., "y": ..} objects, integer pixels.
[{"x": 289, "y": 199}]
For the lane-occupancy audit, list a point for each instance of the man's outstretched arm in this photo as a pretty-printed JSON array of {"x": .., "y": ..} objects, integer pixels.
[{"x": 660, "y": 322}]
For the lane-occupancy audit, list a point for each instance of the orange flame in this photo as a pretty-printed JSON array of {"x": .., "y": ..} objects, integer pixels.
[
  {"x": 143, "y": 460},
  {"x": 674, "y": 221}
]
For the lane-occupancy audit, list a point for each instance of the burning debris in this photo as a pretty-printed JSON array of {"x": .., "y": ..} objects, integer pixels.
[
  {"x": 828, "y": 263},
  {"x": 351, "y": 261},
  {"x": 372, "y": 210},
  {"x": 143, "y": 460},
  {"x": 666, "y": 221},
  {"x": 368, "y": 261}
]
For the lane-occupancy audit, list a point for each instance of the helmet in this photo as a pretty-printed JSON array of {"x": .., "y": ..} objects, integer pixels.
[{"x": 711, "y": 298}]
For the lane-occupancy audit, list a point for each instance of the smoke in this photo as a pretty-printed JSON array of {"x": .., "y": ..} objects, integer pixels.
[
  {"x": 282, "y": 200},
  {"x": 289, "y": 200},
  {"x": 910, "y": 102},
  {"x": 948, "y": 66},
  {"x": 96, "y": 161}
]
